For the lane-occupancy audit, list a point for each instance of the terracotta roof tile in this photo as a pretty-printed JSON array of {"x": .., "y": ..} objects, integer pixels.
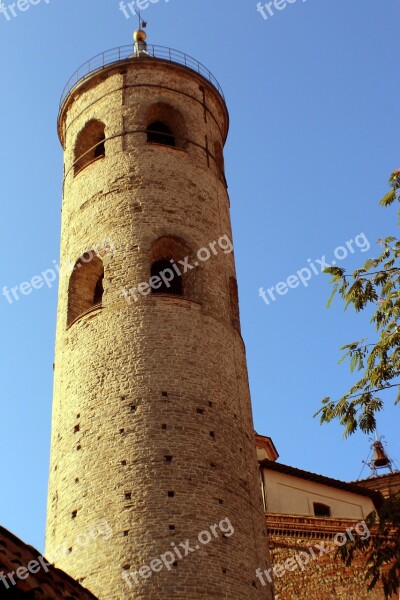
[{"x": 51, "y": 585}]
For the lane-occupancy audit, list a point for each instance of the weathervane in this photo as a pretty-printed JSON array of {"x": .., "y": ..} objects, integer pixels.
[
  {"x": 142, "y": 23},
  {"x": 140, "y": 47}
]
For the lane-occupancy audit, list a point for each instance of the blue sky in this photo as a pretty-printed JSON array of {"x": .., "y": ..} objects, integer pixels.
[{"x": 313, "y": 99}]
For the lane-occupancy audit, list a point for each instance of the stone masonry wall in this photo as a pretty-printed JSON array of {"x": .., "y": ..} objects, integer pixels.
[
  {"x": 323, "y": 578},
  {"x": 388, "y": 484}
]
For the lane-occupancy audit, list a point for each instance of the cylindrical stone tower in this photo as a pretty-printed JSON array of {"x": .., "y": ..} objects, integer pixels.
[{"x": 153, "y": 490}]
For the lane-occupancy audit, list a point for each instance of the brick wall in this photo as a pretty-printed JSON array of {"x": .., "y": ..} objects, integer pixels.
[
  {"x": 388, "y": 484},
  {"x": 324, "y": 577}
]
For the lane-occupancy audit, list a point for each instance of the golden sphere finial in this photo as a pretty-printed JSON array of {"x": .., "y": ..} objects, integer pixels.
[{"x": 139, "y": 35}]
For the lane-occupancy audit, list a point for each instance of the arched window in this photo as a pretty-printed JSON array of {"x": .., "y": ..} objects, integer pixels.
[
  {"x": 160, "y": 133},
  {"x": 98, "y": 291},
  {"x": 171, "y": 283},
  {"x": 169, "y": 256},
  {"x": 90, "y": 145},
  {"x": 234, "y": 300},
  {"x": 322, "y": 510},
  {"x": 85, "y": 290},
  {"x": 165, "y": 125},
  {"x": 100, "y": 148}
]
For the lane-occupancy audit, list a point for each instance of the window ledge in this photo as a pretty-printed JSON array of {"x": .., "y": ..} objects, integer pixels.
[
  {"x": 89, "y": 163},
  {"x": 173, "y": 298},
  {"x": 174, "y": 148},
  {"x": 93, "y": 309}
]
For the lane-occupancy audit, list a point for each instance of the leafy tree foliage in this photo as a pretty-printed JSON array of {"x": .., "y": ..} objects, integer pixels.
[
  {"x": 376, "y": 284},
  {"x": 381, "y": 549}
]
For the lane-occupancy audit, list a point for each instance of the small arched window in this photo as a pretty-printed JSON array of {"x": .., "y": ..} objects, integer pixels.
[
  {"x": 159, "y": 133},
  {"x": 322, "y": 510},
  {"x": 171, "y": 282},
  {"x": 85, "y": 290},
  {"x": 169, "y": 256},
  {"x": 90, "y": 145},
  {"x": 98, "y": 291},
  {"x": 165, "y": 125}
]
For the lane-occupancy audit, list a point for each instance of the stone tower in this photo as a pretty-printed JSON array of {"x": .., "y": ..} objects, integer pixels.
[{"x": 152, "y": 432}]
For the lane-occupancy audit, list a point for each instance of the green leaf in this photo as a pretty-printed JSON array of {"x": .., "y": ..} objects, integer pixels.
[
  {"x": 334, "y": 290},
  {"x": 388, "y": 199}
]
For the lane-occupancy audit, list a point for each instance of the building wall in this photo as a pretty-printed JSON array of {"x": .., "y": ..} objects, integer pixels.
[
  {"x": 286, "y": 494},
  {"x": 323, "y": 577},
  {"x": 162, "y": 377},
  {"x": 388, "y": 485}
]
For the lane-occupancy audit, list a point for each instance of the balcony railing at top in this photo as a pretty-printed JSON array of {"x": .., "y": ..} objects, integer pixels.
[{"x": 103, "y": 60}]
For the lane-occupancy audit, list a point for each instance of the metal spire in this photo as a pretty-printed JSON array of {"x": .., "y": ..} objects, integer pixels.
[{"x": 380, "y": 458}]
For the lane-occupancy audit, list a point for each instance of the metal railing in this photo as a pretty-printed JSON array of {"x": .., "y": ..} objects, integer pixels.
[{"x": 122, "y": 53}]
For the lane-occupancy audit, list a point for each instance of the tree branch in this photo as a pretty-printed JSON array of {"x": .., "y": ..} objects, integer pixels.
[{"x": 386, "y": 387}]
